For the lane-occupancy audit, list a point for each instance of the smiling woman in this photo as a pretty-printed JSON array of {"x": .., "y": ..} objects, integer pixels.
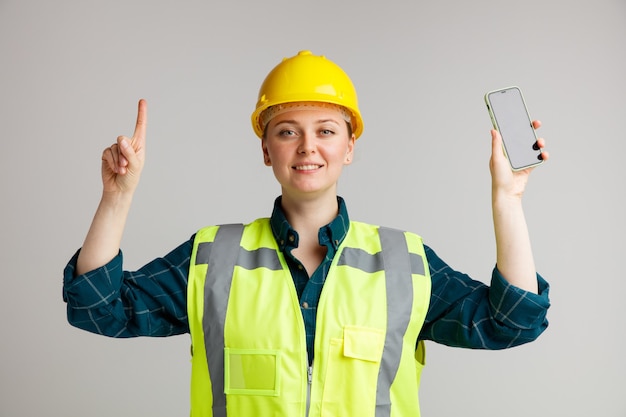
[{"x": 266, "y": 340}]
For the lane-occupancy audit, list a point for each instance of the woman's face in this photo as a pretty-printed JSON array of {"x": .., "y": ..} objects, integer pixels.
[{"x": 307, "y": 149}]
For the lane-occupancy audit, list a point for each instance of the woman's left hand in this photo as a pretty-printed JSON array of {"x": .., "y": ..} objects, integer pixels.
[
  {"x": 514, "y": 257},
  {"x": 504, "y": 181}
]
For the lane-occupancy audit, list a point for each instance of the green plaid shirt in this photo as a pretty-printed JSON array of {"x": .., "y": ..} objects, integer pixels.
[{"x": 152, "y": 301}]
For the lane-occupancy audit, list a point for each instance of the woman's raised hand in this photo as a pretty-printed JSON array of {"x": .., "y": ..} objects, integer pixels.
[
  {"x": 506, "y": 182},
  {"x": 121, "y": 168},
  {"x": 123, "y": 161}
]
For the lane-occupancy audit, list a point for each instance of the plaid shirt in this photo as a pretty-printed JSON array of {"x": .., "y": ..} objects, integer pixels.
[{"x": 152, "y": 301}]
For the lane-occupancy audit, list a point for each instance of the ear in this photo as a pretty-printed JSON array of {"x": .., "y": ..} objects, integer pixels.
[
  {"x": 266, "y": 156},
  {"x": 350, "y": 151}
]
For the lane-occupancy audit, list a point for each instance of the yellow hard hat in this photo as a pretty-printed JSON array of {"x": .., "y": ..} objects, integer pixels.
[{"x": 307, "y": 78}]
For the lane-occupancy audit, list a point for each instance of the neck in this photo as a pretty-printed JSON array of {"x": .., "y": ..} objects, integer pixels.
[{"x": 310, "y": 215}]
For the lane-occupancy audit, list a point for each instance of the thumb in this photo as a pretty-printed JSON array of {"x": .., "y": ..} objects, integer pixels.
[
  {"x": 495, "y": 139},
  {"x": 497, "y": 151}
]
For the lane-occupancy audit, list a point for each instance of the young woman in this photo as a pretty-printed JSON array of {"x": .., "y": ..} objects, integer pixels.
[{"x": 305, "y": 312}]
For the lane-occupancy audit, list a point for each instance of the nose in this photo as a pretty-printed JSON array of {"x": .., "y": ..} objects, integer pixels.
[{"x": 307, "y": 144}]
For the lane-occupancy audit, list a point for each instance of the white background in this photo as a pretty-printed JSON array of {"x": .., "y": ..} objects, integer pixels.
[{"x": 71, "y": 73}]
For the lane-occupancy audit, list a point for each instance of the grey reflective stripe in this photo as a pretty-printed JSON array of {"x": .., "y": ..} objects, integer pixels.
[
  {"x": 358, "y": 258},
  {"x": 399, "y": 285},
  {"x": 203, "y": 254},
  {"x": 398, "y": 264},
  {"x": 221, "y": 257},
  {"x": 417, "y": 264},
  {"x": 259, "y": 258},
  {"x": 370, "y": 263}
]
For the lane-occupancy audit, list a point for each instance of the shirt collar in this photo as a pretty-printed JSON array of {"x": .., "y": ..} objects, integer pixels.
[{"x": 287, "y": 238}]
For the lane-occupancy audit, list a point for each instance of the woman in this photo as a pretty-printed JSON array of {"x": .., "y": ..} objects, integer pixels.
[{"x": 265, "y": 340}]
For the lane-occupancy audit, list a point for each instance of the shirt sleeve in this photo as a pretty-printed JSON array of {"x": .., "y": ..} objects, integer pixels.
[
  {"x": 467, "y": 313},
  {"x": 151, "y": 301}
]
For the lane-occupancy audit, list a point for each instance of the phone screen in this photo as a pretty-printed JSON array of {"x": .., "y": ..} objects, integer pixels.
[{"x": 510, "y": 117}]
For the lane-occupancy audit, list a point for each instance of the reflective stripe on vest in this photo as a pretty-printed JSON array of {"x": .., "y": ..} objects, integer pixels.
[
  {"x": 221, "y": 256},
  {"x": 225, "y": 253},
  {"x": 399, "y": 285}
]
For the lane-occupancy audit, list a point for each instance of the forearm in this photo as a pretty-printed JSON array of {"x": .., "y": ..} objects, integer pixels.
[
  {"x": 104, "y": 237},
  {"x": 151, "y": 301},
  {"x": 467, "y": 313},
  {"x": 514, "y": 253}
]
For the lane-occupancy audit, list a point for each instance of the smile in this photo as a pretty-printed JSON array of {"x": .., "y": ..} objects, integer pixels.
[{"x": 306, "y": 167}]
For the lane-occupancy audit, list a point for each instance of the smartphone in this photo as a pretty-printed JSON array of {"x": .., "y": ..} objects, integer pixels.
[{"x": 509, "y": 116}]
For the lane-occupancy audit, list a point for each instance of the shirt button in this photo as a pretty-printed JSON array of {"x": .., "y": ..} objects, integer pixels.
[
  {"x": 292, "y": 238},
  {"x": 300, "y": 267},
  {"x": 305, "y": 305}
]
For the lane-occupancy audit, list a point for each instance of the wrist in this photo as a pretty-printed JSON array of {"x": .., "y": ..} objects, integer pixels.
[
  {"x": 114, "y": 198},
  {"x": 506, "y": 200},
  {"x": 115, "y": 205}
]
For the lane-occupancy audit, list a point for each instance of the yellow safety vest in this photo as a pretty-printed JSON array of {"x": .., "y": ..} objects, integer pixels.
[{"x": 249, "y": 353}]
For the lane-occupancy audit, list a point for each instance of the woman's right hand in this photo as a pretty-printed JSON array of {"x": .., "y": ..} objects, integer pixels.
[
  {"x": 121, "y": 168},
  {"x": 123, "y": 161}
]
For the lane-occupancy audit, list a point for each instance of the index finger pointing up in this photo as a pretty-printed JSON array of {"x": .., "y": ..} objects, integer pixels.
[{"x": 142, "y": 120}]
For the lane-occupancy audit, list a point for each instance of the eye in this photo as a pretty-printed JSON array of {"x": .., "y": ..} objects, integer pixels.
[
  {"x": 286, "y": 133},
  {"x": 326, "y": 132}
]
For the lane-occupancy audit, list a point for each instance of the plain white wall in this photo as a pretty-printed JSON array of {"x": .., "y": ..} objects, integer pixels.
[{"x": 71, "y": 73}]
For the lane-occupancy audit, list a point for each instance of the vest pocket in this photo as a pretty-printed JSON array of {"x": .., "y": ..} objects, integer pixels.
[
  {"x": 363, "y": 343},
  {"x": 352, "y": 372},
  {"x": 251, "y": 371}
]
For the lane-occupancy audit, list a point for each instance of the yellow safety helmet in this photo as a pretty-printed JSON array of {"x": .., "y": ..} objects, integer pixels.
[{"x": 307, "y": 78}]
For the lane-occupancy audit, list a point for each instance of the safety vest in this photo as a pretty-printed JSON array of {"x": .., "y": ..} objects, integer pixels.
[{"x": 249, "y": 354}]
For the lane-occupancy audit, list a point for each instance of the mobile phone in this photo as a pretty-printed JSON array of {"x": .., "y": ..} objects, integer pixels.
[{"x": 509, "y": 116}]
